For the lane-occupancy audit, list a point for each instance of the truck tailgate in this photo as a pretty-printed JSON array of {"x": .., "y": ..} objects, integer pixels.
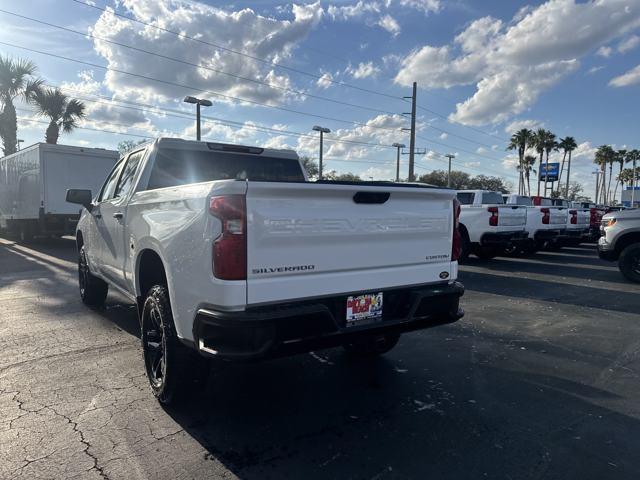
[
  {"x": 512, "y": 216},
  {"x": 309, "y": 240},
  {"x": 558, "y": 216}
]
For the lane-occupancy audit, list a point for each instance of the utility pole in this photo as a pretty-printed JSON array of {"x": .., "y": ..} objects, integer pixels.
[
  {"x": 399, "y": 146},
  {"x": 597, "y": 174},
  {"x": 412, "y": 138},
  {"x": 322, "y": 131},
  {"x": 449, "y": 156}
]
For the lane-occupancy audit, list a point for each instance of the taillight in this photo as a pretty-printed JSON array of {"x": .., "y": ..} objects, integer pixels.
[
  {"x": 230, "y": 248},
  {"x": 546, "y": 215},
  {"x": 456, "y": 244},
  {"x": 493, "y": 219},
  {"x": 574, "y": 217}
]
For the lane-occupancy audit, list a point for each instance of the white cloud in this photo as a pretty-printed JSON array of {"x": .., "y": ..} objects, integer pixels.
[
  {"x": 426, "y": 6},
  {"x": 632, "y": 77},
  {"x": 629, "y": 44},
  {"x": 363, "y": 70},
  {"x": 382, "y": 129},
  {"x": 389, "y": 24},
  {"x": 325, "y": 81},
  {"x": 593, "y": 70},
  {"x": 359, "y": 9},
  {"x": 444, "y": 136},
  {"x": 604, "y": 52},
  {"x": 513, "y": 63},
  {"x": 520, "y": 124},
  {"x": 242, "y": 30}
]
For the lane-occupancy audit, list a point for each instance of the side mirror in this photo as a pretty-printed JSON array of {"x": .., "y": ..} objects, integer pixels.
[{"x": 81, "y": 197}]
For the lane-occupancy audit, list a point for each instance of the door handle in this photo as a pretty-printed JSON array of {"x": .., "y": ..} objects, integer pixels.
[{"x": 118, "y": 216}]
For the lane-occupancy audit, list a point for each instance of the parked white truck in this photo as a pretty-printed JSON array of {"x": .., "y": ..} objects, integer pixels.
[
  {"x": 34, "y": 181},
  {"x": 231, "y": 253},
  {"x": 545, "y": 222},
  {"x": 487, "y": 225}
]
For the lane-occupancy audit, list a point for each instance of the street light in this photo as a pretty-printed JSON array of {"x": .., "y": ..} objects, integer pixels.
[
  {"x": 322, "y": 131},
  {"x": 399, "y": 146},
  {"x": 198, "y": 102},
  {"x": 18, "y": 143}
]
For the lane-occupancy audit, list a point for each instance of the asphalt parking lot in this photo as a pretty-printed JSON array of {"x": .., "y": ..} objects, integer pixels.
[{"x": 539, "y": 380}]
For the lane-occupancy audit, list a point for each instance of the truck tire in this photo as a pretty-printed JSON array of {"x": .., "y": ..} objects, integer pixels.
[
  {"x": 629, "y": 262},
  {"x": 486, "y": 253},
  {"x": 93, "y": 290},
  {"x": 372, "y": 345},
  {"x": 25, "y": 234},
  {"x": 465, "y": 246},
  {"x": 171, "y": 367}
]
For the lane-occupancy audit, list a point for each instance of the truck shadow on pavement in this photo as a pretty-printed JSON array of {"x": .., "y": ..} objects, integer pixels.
[{"x": 300, "y": 418}]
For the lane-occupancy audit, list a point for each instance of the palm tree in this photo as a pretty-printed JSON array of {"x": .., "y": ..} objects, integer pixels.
[
  {"x": 63, "y": 112},
  {"x": 604, "y": 157},
  {"x": 539, "y": 139},
  {"x": 528, "y": 163},
  {"x": 620, "y": 157},
  {"x": 634, "y": 156},
  {"x": 568, "y": 145},
  {"x": 520, "y": 141},
  {"x": 547, "y": 142},
  {"x": 15, "y": 81}
]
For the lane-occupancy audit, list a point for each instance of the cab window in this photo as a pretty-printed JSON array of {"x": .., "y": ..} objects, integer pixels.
[
  {"x": 128, "y": 174},
  {"x": 109, "y": 186}
]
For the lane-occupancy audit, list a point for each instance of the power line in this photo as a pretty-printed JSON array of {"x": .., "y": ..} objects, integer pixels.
[
  {"x": 275, "y": 64},
  {"x": 222, "y": 72},
  {"x": 198, "y": 65},
  {"x": 191, "y": 88},
  {"x": 214, "y": 120},
  {"x": 236, "y": 52}
]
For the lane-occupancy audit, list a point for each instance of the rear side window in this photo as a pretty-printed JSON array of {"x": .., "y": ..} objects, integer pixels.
[
  {"x": 492, "y": 197},
  {"x": 526, "y": 201},
  {"x": 560, "y": 203},
  {"x": 174, "y": 167},
  {"x": 465, "y": 198},
  {"x": 128, "y": 174},
  {"x": 546, "y": 202}
]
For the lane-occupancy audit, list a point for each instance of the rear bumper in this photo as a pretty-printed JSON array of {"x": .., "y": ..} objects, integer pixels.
[
  {"x": 575, "y": 233},
  {"x": 548, "y": 234},
  {"x": 281, "y": 330},
  {"x": 502, "y": 239}
]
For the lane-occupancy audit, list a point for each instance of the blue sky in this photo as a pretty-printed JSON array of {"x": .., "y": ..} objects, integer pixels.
[{"x": 483, "y": 69}]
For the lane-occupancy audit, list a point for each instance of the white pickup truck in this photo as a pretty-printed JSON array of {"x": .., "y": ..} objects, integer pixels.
[
  {"x": 231, "y": 253},
  {"x": 578, "y": 223},
  {"x": 487, "y": 225},
  {"x": 545, "y": 222}
]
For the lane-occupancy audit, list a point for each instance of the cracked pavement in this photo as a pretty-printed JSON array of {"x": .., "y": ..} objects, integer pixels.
[{"x": 539, "y": 380}]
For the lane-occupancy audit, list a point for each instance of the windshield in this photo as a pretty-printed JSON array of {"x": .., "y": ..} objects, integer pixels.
[{"x": 175, "y": 167}]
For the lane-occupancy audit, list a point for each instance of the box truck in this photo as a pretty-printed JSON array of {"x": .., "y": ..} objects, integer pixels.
[{"x": 34, "y": 182}]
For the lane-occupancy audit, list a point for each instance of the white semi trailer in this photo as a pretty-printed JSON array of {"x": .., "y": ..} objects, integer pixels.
[{"x": 35, "y": 180}]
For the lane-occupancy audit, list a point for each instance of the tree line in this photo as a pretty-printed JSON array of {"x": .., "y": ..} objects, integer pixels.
[
  {"x": 543, "y": 142},
  {"x": 19, "y": 80}
]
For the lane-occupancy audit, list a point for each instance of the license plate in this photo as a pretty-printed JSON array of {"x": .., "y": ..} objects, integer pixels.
[{"x": 364, "y": 308}]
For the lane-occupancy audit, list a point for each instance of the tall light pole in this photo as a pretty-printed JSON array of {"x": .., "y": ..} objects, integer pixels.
[
  {"x": 198, "y": 102},
  {"x": 450, "y": 156},
  {"x": 18, "y": 143},
  {"x": 399, "y": 146},
  {"x": 322, "y": 131}
]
